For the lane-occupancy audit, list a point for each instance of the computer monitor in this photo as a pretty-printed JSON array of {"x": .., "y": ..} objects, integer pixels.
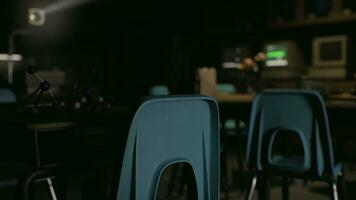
[
  {"x": 330, "y": 59},
  {"x": 277, "y": 55},
  {"x": 330, "y": 51},
  {"x": 283, "y": 60}
]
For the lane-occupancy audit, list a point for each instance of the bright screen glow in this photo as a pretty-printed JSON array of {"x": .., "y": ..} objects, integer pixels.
[{"x": 277, "y": 55}]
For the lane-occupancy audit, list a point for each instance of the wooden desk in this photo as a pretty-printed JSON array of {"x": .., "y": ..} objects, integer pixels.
[
  {"x": 342, "y": 96},
  {"x": 44, "y": 127},
  {"x": 237, "y": 98},
  {"x": 235, "y": 106},
  {"x": 346, "y": 101},
  {"x": 37, "y": 128},
  {"x": 341, "y": 111}
]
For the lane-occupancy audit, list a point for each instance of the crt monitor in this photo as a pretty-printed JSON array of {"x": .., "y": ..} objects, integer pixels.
[
  {"x": 330, "y": 51},
  {"x": 283, "y": 60},
  {"x": 330, "y": 59},
  {"x": 277, "y": 54}
]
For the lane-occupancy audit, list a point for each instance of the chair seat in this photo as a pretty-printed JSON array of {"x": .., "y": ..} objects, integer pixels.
[
  {"x": 290, "y": 161},
  {"x": 289, "y": 164}
]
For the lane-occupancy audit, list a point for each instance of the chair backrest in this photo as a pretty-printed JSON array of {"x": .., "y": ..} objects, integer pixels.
[
  {"x": 169, "y": 130},
  {"x": 225, "y": 88},
  {"x": 302, "y": 113},
  {"x": 159, "y": 90},
  {"x": 7, "y": 96}
]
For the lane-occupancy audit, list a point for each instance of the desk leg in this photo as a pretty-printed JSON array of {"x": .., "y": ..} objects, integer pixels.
[
  {"x": 37, "y": 149},
  {"x": 51, "y": 189}
]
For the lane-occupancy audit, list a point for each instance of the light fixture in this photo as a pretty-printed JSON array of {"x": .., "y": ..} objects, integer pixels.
[
  {"x": 12, "y": 57},
  {"x": 36, "y": 16}
]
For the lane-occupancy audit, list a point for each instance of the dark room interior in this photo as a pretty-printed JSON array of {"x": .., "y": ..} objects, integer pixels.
[{"x": 171, "y": 100}]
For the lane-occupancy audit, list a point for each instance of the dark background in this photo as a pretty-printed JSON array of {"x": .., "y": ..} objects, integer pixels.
[
  {"x": 121, "y": 48},
  {"x": 127, "y": 46}
]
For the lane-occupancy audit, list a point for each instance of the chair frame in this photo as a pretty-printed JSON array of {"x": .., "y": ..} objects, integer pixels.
[{"x": 260, "y": 180}]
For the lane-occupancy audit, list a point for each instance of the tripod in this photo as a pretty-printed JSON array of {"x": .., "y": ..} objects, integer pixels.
[{"x": 44, "y": 86}]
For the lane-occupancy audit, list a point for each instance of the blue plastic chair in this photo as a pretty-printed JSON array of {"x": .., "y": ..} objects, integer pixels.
[
  {"x": 7, "y": 96},
  {"x": 169, "y": 130},
  {"x": 159, "y": 90},
  {"x": 301, "y": 115}
]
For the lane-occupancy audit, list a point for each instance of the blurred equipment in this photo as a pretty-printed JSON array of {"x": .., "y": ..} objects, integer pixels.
[
  {"x": 239, "y": 67},
  {"x": 11, "y": 46},
  {"x": 318, "y": 7},
  {"x": 225, "y": 88},
  {"x": 7, "y": 74},
  {"x": 36, "y": 16},
  {"x": 44, "y": 86},
  {"x": 233, "y": 57},
  {"x": 282, "y": 10},
  {"x": 159, "y": 90},
  {"x": 8, "y": 57},
  {"x": 283, "y": 60},
  {"x": 64, "y": 5},
  {"x": 7, "y": 96},
  {"x": 330, "y": 51},
  {"x": 55, "y": 77},
  {"x": 349, "y": 6},
  {"x": 327, "y": 88},
  {"x": 330, "y": 58},
  {"x": 206, "y": 81}
]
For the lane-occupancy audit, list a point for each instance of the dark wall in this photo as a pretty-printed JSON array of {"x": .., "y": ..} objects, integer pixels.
[
  {"x": 125, "y": 47},
  {"x": 6, "y": 22}
]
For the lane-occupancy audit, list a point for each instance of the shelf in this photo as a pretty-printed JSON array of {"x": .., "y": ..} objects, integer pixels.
[{"x": 315, "y": 21}]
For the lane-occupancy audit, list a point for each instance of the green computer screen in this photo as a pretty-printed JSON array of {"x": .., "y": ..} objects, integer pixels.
[{"x": 277, "y": 55}]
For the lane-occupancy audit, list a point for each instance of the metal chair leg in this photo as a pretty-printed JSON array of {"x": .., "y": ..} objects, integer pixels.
[
  {"x": 285, "y": 188},
  {"x": 252, "y": 188},
  {"x": 240, "y": 161},
  {"x": 51, "y": 189},
  {"x": 333, "y": 190},
  {"x": 341, "y": 188},
  {"x": 24, "y": 185},
  {"x": 263, "y": 187}
]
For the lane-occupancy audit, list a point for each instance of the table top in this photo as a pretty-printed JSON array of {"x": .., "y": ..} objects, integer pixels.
[
  {"x": 333, "y": 101},
  {"x": 54, "y": 126},
  {"x": 230, "y": 98}
]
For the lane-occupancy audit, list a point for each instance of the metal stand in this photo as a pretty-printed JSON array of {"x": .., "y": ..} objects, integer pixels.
[{"x": 44, "y": 86}]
